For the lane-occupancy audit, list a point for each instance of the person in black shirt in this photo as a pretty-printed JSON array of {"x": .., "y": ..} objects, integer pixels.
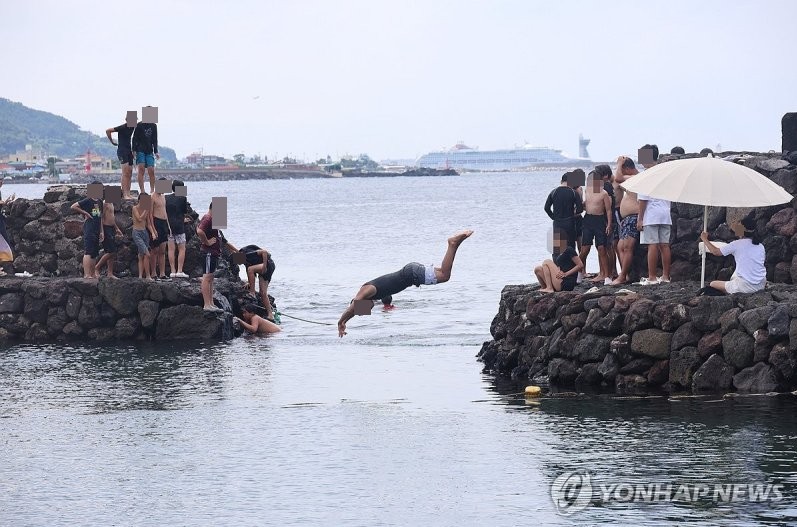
[
  {"x": 176, "y": 215},
  {"x": 560, "y": 273},
  {"x": 145, "y": 147},
  {"x": 257, "y": 262},
  {"x": 562, "y": 205},
  {"x": 92, "y": 232},
  {"x": 124, "y": 150}
]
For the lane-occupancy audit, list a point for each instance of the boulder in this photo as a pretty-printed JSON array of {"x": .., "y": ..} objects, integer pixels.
[
  {"x": 57, "y": 293},
  {"x": 688, "y": 229},
  {"x": 639, "y": 316},
  {"x": 762, "y": 345},
  {"x": 715, "y": 375},
  {"x": 659, "y": 373},
  {"x": 148, "y": 311},
  {"x": 653, "y": 343},
  {"x": 101, "y": 334},
  {"x": 686, "y": 335},
  {"x": 730, "y": 320},
  {"x": 609, "y": 367},
  {"x": 89, "y": 315},
  {"x": 606, "y": 303},
  {"x": 562, "y": 372},
  {"x": 12, "y": 303},
  {"x": 573, "y": 321},
  {"x": 122, "y": 295},
  {"x": 541, "y": 308},
  {"x": 683, "y": 364},
  {"x": 754, "y": 319},
  {"x": 591, "y": 348},
  {"x": 737, "y": 347},
  {"x": 787, "y": 179},
  {"x": 783, "y": 222},
  {"x": 759, "y": 378},
  {"x": 609, "y": 325},
  {"x": 36, "y": 309},
  {"x": 709, "y": 344},
  {"x": 190, "y": 322},
  {"x": 633, "y": 384},
  {"x": 637, "y": 365},
  {"x": 784, "y": 360},
  {"x": 37, "y": 332},
  {"x": 621, "y": 348},
  {"x": 706, "y": 313},
  {"x": 73, "y": 229},
  {"x": 793, "y": 334},
  {"x": 73, "y": 329},
  {"x": 623, "y": 302},
  {"x": 669, "y": 316},
  {"x": 594, "y": 315},
  {"x": 588, "y": 375},
  {"x": 778, "y": 322},
  {"x": 568, "y": 346},
  {"x": 56, "y": 320}
]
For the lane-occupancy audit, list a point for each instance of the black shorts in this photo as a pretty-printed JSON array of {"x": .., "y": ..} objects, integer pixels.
[
  {"x": 210, "y": 263},
  {"x": 162, "y": 228},
  {"x": 125, "y": 157},
  {"x": 91, "y": 240},
  {"x": 109, "y": 242},
  {"x": 579, "y": 223},
  {"x": 594, "y": 229},
  {"x": 269, "y": 272}
]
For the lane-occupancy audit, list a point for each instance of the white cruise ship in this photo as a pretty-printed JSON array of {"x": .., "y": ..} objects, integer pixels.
[{"x": 462, "y": 157}]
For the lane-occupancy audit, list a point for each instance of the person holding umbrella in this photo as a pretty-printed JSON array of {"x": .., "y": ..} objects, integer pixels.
[{"x": 751, "y": 274}]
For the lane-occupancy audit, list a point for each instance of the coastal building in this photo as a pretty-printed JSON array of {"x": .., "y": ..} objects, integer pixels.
[
  {"x": 199, "y": 160},
  {"x": 461, "y": 156},
  {"x": 29, "y": 155}
]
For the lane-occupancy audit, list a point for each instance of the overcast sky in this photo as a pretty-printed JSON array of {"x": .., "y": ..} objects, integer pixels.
[{"x": 401, "y": 78}]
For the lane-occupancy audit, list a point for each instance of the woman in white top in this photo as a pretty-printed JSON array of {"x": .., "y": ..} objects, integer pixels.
[{"x": 750, "y": 275}]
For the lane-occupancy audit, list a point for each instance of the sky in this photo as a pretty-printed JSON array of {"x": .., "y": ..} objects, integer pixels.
[{"x": 397, "y": 79}]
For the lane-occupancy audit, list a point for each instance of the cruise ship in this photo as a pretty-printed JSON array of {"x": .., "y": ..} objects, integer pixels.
[{"x": 463, "y": 157}]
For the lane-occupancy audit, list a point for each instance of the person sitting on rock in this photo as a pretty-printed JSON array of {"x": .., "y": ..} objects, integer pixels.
[
  {"x": 91, "y": 209},
  {"x": 257, "y": 262},
  {"x": 750, "y": 274},
  {"x": 411, "y": 274},
  {"x": 559, "y": 274},
  {"x": 256, "y": 324}
]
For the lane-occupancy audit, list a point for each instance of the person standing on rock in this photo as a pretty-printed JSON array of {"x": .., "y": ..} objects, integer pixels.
[
  {"x": 158, "y": 244},
  {"x": 145, "y": 147},
  {"x": 629, "y": 212},
  {"x": 91, "y": 209},
  {"x": 210, "y": 246},
  {"x": 142, "y": 229},
  {"x": 654, "y": 225},
  {"x": 411, "y": 274},
  {"x": 751, "y": 273},
  {"x": 124, "y": 150},
  {"x": 562, "y": 206},
  {"x": 257, "y": 262},
  {"x": 177, "y": 214},
  {"x": 597, "y": 223},
  {"x": 110, "y": 230}
]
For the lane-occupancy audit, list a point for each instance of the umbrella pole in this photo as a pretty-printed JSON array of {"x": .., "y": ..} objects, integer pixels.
[{"x": 703, "y": 270}]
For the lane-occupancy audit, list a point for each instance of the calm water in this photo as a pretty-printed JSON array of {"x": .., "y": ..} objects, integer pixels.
[{"x": 392, "y": 425}]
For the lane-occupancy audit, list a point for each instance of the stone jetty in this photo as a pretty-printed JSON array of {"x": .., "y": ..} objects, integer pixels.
[
  {"x": 663, "y": 338},
  {"x": 56, "y": 303}
]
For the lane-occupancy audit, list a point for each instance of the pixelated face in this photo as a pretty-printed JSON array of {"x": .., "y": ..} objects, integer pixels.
[
  {"x": 239, "y": 258},
  {"x": 131, "y": 119},
  {"x": 94, "y": 190},
  {"x": 145, "y": 202},
  {"x": 738, "y": 229},
  {"x": 363, "y": 307},
  {"x": 219, "y": 213},
  {"x": 113, "y": 195},
  {"x": 576, "y": 178},
  {"x": 181, "y": 190},
  {"x": 163, "y": 187},
  {"x": 149, "y": 114},
  {"x": 645, "y": 157}
]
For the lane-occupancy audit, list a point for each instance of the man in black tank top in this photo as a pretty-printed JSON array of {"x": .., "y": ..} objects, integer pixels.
[{"x": 386, "y": 286}]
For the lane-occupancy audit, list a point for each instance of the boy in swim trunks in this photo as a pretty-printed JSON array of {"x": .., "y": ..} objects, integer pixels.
[
  {"x": 256, "y": 324},
  {"x": 110, "y": 230},
  {"x": 91, "y": 209},
  {"x": 597, "y": 223},
  {"x": 177, "y": 214},
  {"x": 142, "y": 228},
  {"x": 411, "y": 274},
  {"x": 158, "y": 245}
]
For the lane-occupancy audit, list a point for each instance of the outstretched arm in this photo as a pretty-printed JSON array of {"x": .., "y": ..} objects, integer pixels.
[
  {"x": 710, "y": 247},
  {"x": 364, "y": 293}
]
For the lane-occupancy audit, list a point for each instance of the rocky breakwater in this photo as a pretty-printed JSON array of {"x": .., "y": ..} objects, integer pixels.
[
  {"x": 47, "y": 237},
  {"x": 655, "y": 339},
  {"x": 58, "y": 309}
]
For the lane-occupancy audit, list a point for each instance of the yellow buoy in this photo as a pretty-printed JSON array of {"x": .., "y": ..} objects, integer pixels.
[{"x": 533, "y": 391}]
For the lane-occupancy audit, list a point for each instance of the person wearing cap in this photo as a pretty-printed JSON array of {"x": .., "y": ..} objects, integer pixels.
[{"x": 748, "y": 251}]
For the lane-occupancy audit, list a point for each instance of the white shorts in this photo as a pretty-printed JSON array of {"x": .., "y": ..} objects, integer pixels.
[
  {"x": 429, "y": 276},
  {"x": 179, "y": 239},
  {"x": 651, "y": 234},
  {"x": 739, "y": 285}
]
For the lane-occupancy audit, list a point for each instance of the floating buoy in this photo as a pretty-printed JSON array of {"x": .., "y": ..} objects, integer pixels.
[{"x": 533, "y": 391}]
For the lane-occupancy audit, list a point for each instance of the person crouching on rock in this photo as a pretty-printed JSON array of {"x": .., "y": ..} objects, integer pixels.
[
  {"x": 210, "y": 247},
  {"x": 91, "y": 209},
  {"x": 258, "y": 262},
  {"x": 256, "y": 324},
  {"x": 750, "y": 274},
  {"x": 411, "y": 274},
  {"x": 142, "y": 229},
  {"x": 560, "y": 273}
]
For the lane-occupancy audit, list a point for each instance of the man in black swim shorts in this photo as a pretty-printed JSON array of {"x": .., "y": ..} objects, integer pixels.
[
  {"x": 411, "y": 274},
  {"x": 258, "y": 262}
]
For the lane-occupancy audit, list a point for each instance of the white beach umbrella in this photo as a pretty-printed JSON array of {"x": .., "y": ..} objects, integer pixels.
[{"x": 709, "y": 182}]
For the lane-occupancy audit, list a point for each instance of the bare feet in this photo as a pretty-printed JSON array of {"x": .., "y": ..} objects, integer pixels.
[
  {"x": 620, "y": 281},
  {"x": 598, "y": 278},
  {"x": 546, "y": 291},
  {"x": 459, "y": 237}
]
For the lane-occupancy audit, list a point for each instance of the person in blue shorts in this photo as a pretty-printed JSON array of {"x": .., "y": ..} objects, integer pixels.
[{"x": 145, "y": 147}]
